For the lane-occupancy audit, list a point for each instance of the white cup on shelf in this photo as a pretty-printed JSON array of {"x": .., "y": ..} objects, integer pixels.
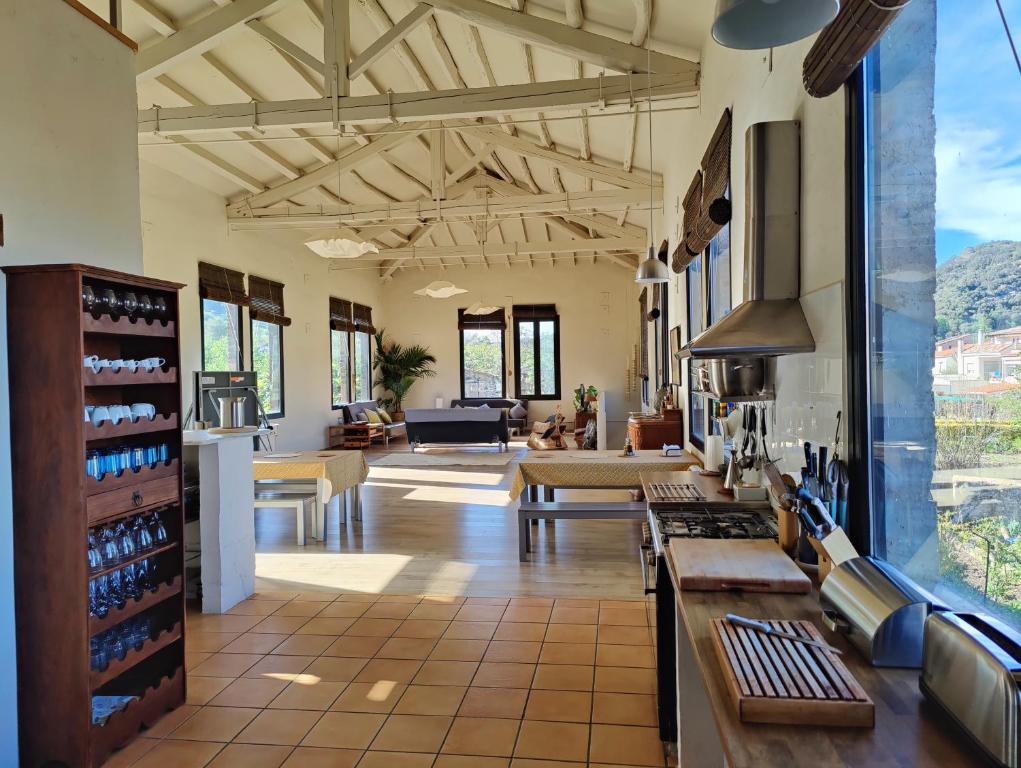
[
  {"x": 143, "y": 410},
  {"x": 95, "y": 363},
  {"x": 100, "y": 414},
  {"x": 151, "y": 363}
]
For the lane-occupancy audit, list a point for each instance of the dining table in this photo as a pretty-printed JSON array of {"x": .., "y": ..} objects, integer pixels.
[{"x": 331, "y": 473}]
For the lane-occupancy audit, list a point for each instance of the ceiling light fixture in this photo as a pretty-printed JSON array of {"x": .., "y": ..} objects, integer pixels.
[
  {"x": 341, "y": 243},
  {"x": 440, "y": 289},
  {"x": 754, "y": 24},
  {"x": 652, "y": 270},
  {"x": 478, "y": 308}
]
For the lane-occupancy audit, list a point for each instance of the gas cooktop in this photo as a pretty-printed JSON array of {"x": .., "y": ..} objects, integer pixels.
[{"x": 716, "y": 524}]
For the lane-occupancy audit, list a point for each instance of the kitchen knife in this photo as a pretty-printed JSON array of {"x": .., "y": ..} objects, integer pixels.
[
  {"x": 825, "y": 522},
  {"x": 808, "y": 454},
  {"x": 766, "y": 629},
  {"x": 821, "y": 469},
  {"x": 843, "y": 481}
]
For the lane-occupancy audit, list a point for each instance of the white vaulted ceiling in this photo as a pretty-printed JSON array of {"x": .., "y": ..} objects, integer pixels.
[{"x": 560, "y": 154}]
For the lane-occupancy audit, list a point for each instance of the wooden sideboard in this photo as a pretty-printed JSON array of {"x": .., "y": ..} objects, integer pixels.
[{"x": 650, "y": 432}]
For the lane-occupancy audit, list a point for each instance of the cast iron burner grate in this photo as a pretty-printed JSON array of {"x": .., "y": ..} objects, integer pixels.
[
  {"x": 706, "y": 524},
  {"x": 674, "y": 492}
]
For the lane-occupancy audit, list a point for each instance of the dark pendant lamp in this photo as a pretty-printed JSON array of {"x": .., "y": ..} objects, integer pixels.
[{"x": 754, "y": 24}]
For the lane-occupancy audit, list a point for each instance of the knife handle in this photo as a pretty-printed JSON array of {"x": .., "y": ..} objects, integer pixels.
[{"x": 741, "y": 621}]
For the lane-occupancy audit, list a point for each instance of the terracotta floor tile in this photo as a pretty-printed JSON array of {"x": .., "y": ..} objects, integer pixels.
[
  {"x": 226, "y": 665},
  {"x": 559, "y": 706},
  {"x": 254, "y": 642},
  {"x": 316, "y": 696},
  {"x": 220, "y": 622},
  {"x": 315, "y": 757},
  {"x": 527, "y": 762},
  {"x": 444, "y": 599},
  {"x": 251, "y": 756},
  {"x": 513, "y": 650},
  {"x": 326, "y": 626},
  {"x": 623, "y": 617},
  {"x": 574, "y": 616},
  {"x": 534, "y": 602},
  {"x": 130, "y": 752},
  {"x": 336, "y": 669},
  {"x": 532, "y": 632},
  {"x": 446, "y": 673},
  {"x": 373, "y": 627},
  {"x": 625, "y": 656},
  {"x": 459, "y": 650},
  {"x": 208, "y": 642},
  {"x": 359, "y": 597},
  {"x": 563, "y": 677},
  {"x": 275, "y": 594},
  {"x": 528, "y": 613},
  {"x": 568, "y": 653},
  {"x": 341, "y": 609},
  {"x": 406, "y": 648},
  {"x": 503, "y": 675},
  {"x": 624, "y": 709},
  {"x": 346, "y": 730},
  {"x": 202, "y": 689},
  {"x": 249, "y": 692},
  {"x": 280, "y": 624},
  {"x": 570, "y": 633},
  {"x": 214, "y": 724},
  {"x": 615, "y": 635},
  {"x": 412, "y": 733},
  {"x": 304, "y": 645},
  {"x": 193, "y": 659},
  {"x": 470, "y": 761},
  {"x": 574, "y": 602},
  {"x": 171, "y": 720},
  {"x": 494, "y": 702},
  {"x": 413, "y": 599},
  {"x": 279, "y": 726},
  {"x": 379, "y": 697},
  {"x": 552, "y": 741},
  {"x": 627, "y": 744},
  {"x": 470, "y": 630},
  {"x": 396, "y": 760},
  {"x": 433, "y": 611},
  {"x": 626, "y": 605},
  {"x": 625, "y": 680},
  {"x": 430, "y": 628},
  {"x": 478, "y": 612},
  {"x": 317, "y": 597},
  {"x": 386, "y": 610},
  {"x": 179, "y": 754},
  {"x": 481, "y": 736},
  {"x": 355, "y": 646},
  {"x": 255, "y": 607},
  {"x": 279, "y": 667},
  {"x": 305, "y": 608},
  {"x": 395, "y": 670},
  {"x": 430, "y": 700}
]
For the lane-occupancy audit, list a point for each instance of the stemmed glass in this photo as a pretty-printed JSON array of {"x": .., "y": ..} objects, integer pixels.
[
  {"x": 98, "y": 605},
  {"x": 159, "y": 532},
  {"x": 130, "y": 304},
  {"x": 112, "y": 303},
  {"x": 108, "y": 547},
  {"x": 143, "y": 539},
  {"x": 89, "y": 299},
  {"x": 159, "y": 307},
  {"x": 125, "y": 542},
  {"x": 144, "y": 306}
]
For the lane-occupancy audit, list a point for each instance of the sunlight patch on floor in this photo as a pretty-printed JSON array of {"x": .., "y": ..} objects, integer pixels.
[
  {"x": 433, "y": 475},
  {"x": 452, "y": 572},
  {"x": 472, "y": 496},
  {"x": 331, "y": 570}
]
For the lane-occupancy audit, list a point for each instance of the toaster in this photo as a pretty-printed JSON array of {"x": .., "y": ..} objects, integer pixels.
[
  {"x": 881, "y": 611},
  {"x": 972, "y": 670}
]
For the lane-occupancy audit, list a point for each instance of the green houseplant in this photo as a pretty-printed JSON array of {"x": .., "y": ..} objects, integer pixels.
[{"x": 398, "y": 368}]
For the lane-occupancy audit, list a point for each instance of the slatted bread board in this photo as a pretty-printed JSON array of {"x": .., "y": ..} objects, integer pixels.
[{"x": 772, "y": 680}]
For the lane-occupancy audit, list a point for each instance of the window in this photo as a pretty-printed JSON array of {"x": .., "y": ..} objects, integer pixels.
[
  {"x": 696, "y": 324},
  {"x": 537, "y": 352},
  {"x": 482, "y": 354},
  {"x": 351, "y": 332},
  {"x": 221, "y": 336},
  {"x": 934, "y": 314},
  {"x": 718, "y": 297},
  {"x": 267, "y": 321},
  {"x": 361, "y": 368},
  {"x": 340, "y": 366}
]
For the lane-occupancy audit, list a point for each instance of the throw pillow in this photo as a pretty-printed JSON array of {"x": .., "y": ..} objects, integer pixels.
[
  {"x": 387, "y": 419},
  {"x": 519, "y": 412},
  {"x": 373, "y": 417}
]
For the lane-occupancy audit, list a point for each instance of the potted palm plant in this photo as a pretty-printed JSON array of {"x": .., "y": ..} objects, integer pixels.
[{"x": 398, "y": 368}]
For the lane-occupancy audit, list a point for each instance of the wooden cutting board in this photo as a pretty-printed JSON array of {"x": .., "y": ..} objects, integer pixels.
[{"x": 753, "y": 565}]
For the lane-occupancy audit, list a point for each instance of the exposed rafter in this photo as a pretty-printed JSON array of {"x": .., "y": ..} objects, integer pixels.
[
  {"x": 627, "y": 245},
  {"x": 388, "y": 40}
]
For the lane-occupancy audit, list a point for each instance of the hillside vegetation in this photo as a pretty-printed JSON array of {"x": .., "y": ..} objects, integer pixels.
[{"x": 979, "y": 288}]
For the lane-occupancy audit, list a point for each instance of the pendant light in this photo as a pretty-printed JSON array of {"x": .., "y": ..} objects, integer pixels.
[
  {"x": 652, "y": 270},
  {"x": 753, "y": 24}
]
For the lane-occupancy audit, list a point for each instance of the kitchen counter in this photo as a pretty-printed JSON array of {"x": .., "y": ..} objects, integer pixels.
[{"x": 908, "y": 731}]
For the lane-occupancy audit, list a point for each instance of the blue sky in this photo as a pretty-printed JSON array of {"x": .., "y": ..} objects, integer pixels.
[{"x": 978, "y": 126}]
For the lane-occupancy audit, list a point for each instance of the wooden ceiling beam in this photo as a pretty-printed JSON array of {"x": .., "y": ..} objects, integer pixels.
[{"x": 388, "y": 40}]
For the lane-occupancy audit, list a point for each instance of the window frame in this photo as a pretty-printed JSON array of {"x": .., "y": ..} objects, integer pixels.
[
  {"x": 353, "y": 343},
  {"x": 695, "y": 440},
  {"x": 251, "y": 362},
  {"x": 517, "y": 322},
  {"x": 347, "y": 373},
  {"x": 503, "y": 361},
  {"x": 202, "y": 331}
]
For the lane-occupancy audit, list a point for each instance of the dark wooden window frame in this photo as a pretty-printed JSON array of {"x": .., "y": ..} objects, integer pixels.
[
  {"x": 503, "y": 360},
  {"x": 251, "y": 361},
  {"x": 337, "y": 406},
  {"x": 518, "y": 322},
  {"x": 698, "y": 442},
  {"x": 202, "y": 331}
]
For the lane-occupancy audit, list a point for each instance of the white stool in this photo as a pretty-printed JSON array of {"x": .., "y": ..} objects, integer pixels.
[{"x": 298, "y": 500}]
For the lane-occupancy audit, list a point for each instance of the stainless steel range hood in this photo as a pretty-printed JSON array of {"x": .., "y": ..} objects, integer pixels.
[{"x": 770, "y": 321}]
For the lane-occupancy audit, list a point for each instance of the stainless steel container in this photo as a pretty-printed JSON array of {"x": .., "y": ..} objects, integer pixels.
[
  {"x": 881, "y": 611},
  {"x": 232, "y": 412},
  {"x": 972, "y": 669},
  {"x": 739, "y": 378}
]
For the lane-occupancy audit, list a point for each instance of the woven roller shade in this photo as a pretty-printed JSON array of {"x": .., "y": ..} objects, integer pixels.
[
  {"x": 340, "y": 315},
  {"x": 222, "y": 284},
  {"x": 692, "y": 203},
  {"x": 643, "y": 324},
  {"x": 266, "y": 301},
  {"x": 492, "y": 321},
  {"x": 535, "y": 311},
  {"x": 844, "y": 42},
  {"x": 362, "y": 318}
]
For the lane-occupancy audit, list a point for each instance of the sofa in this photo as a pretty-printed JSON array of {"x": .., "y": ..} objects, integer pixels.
[
  {"x": 508, "y": 403},
  {"x": 447, "y": 426},
  {"x": 356, "y": 412}
]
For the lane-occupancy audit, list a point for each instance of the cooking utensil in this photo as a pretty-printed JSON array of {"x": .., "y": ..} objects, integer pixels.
[
  {"x": 823, "y": 482},
  {"x": 748, "y": 460},
  {"x": 762, "y": 431},
  {"x": 843, "y": 481},
  {"x": 784, "y": 497},
  {"x": 820, "y": 515},
  {"x": 766, "y": 629}
]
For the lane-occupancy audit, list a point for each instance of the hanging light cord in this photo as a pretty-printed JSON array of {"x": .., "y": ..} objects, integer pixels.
[
  {"x": 1010, "y": 38},
  {"x": 648, "y": 75}
]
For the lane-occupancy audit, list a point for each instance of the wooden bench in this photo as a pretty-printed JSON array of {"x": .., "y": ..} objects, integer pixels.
[{"x": 571, "y": 510}]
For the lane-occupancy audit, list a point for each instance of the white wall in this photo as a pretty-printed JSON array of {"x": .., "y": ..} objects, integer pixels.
[
  {"x": 597, "y": 306},
  {"x": 68, "y": 193},
  {"x": 183, "y": 224},
  {"x": 757, "y": 88}
]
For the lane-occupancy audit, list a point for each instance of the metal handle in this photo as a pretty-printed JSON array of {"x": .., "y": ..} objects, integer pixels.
[
  {"x": 834, "y": 622},
  {"x": 647, "y": 557},
  {"x": 136, "y": 498}
]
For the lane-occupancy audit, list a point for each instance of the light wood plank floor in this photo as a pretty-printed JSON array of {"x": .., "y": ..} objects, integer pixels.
[{"x": 449, "y": 530}]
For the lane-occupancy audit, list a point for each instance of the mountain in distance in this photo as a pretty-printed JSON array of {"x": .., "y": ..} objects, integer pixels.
[{"x": 979, "y": 289}]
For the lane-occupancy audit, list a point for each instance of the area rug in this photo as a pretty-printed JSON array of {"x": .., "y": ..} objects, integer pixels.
[{"x": 441, "y": 458}]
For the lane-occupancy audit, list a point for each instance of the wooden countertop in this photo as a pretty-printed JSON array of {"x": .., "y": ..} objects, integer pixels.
[{"x": 909, "y": 731}]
